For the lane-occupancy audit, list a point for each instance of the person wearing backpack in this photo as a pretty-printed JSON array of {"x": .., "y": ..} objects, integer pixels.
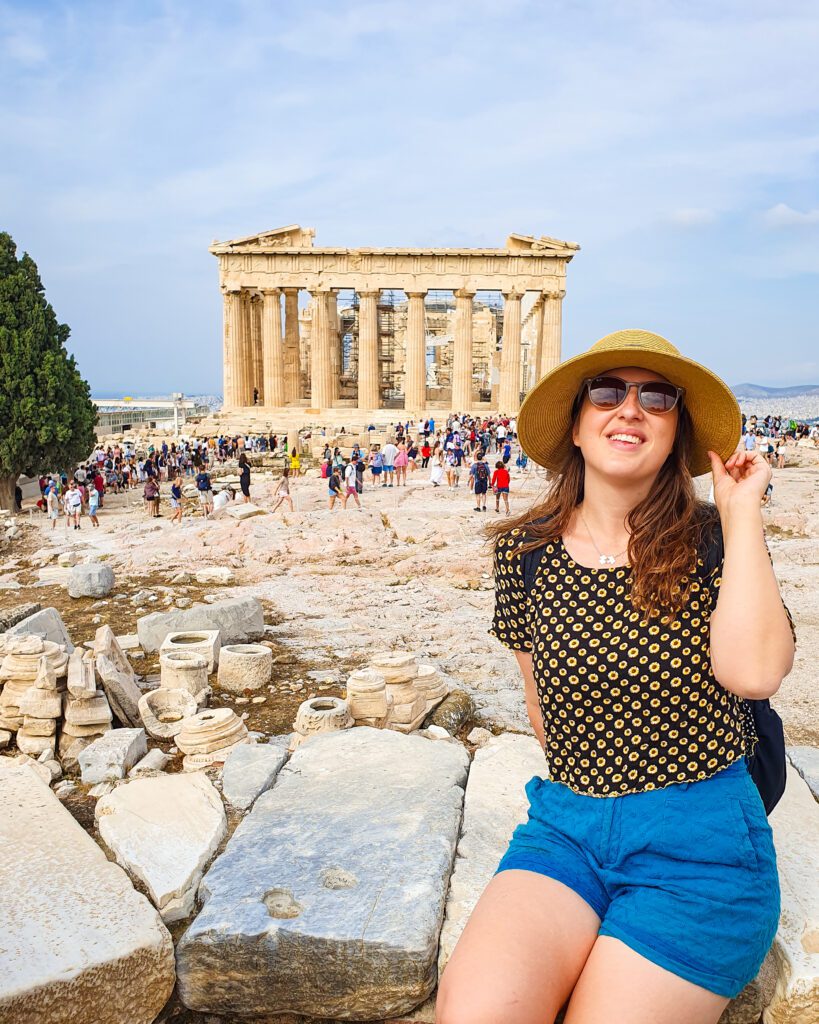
[
  {"x": 479, "y": 474},
  {"x": 650, "y": 632}
]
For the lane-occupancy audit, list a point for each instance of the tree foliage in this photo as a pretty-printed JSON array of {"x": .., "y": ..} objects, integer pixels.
[{"x": 46, "y": 414}]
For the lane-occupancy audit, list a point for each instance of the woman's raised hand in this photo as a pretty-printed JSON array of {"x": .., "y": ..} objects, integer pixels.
[{"x": 739, "y": 482}]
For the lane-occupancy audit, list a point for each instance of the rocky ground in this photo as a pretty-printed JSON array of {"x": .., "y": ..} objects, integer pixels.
[{"x": 409, "y": 572}]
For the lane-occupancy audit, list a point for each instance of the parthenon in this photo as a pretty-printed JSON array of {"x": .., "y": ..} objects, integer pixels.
[{"x": 377, "y": 328}]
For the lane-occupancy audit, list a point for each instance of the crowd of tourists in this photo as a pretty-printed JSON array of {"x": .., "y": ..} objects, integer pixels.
[
  {"x": 459, "y": 452},
  {"x": 463, "y": 451}
]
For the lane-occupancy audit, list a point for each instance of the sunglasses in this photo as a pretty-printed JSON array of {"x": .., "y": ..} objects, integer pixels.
[{"x": 655, "y": 396}]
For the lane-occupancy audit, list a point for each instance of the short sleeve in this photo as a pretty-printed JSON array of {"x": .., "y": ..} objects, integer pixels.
[{"x": 510, "y": 623}]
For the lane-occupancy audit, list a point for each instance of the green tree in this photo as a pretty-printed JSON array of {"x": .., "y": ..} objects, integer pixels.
[{"x": 46, "y": 414}]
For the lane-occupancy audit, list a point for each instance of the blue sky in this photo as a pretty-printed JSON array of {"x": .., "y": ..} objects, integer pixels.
[{"x": 677, "y": 142}]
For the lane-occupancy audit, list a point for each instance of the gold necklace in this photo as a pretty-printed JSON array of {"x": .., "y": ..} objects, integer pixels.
[{"x": 603, "y": 559}]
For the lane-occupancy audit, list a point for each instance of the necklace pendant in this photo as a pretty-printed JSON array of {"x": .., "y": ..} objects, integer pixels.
[{"x": 607, "y": 559}]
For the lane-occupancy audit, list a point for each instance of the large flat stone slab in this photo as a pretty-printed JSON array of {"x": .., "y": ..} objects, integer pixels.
[
  {"x": 77, "y": 942},
  {"x": 795, "y": 822},
  {"x": 112, "y": 755},
  {"x": 328, "y": 899},
  {"x": 164, "y": 831},
  {"x": 494, "y": 805},
  {"x": 47, "y": 623},
  {"x": 238, "y": 619},
  {"x": 806, "y": 761},
  {"x": 251, "y": 769}
]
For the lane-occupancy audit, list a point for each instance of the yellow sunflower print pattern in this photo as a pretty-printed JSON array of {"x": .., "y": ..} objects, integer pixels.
[{"x": 628, "y": 705}]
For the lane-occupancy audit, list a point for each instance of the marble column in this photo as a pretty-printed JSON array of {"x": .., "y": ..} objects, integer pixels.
[
  {"x": 232, "y": 355},
  {"x": 369, "y": 366},
  {"x": 257, "y": 381},
  {"x": 415, "y": 377},
  {"x": 552, "y": 327},
  {"x": 462, "y": 354},
  {"x": 272, "y": 348},
  {"x": 536, "y": 353},
  {"x": 334, "y": 366},
  {"x": 509, "y": 390},
  {"x": 292, "y": 357},
  {"x": 245, "y": 395},
  {"x": 321, "y": 396}
]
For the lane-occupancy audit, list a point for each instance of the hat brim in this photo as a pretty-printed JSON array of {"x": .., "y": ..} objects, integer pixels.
[{"x": 544, "y": 421}]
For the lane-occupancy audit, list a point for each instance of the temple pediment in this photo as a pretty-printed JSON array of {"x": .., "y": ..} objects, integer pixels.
[
  {"x": 292, "y": 237},
  {"x": 544, "y": 244}
]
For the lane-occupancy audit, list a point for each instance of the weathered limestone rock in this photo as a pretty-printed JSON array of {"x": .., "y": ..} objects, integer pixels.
[
  {"x": 244, "y": 667},
  {"x": 117, "y": 677},
  {"x": 80, "y": 943},
  {"x": 395, "y": 668},
  {"x": 250, "y": 770},
  {"x": 747, "y": 1007},
  {"x": 46, "y": 623},
  {"x": 238, "y": 619},
  {"x": 164, "y": 711},
  {"x": 110, "y": 756},
  {"x": 244, "y": 511},
  {"x": 215, "y": 574},
  {"x": 184, "y": 670},
  {"x": 479, "y": 736},
  {"x": 34, "y": 745},
  {"x": 318, "y": 715},
  {"x": 431, "y": 684},
  {"x": 154, "y": 761},
  {"x": 81, "y": 681},
  {"x": 328, "y": 898},
  {"x": 204, "y": 642},
  {"x": 92, "y": 580},
  {"x": 455, "y": 711},
  {"x": 495, "y": 803},
  {"x": 367, "y": 697},
  {"x": 208, "y": 737},
  {"x": 164, "y": 831},
  {"x": 94, "y": 710},
  {"x": 795, "y": 823},
  {"x": 806, "y": 761}
]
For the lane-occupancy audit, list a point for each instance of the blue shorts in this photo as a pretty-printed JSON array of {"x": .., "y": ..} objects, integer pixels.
[
  {"x": 376, "y": 470},
  {"x": 389, "y": 468},
  {"x": 685, "y": 875}
]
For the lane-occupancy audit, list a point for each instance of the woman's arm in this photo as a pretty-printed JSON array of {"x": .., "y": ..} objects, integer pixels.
[
  {"x": 532, "y": 700},
  {"x": 752, "y": 644}
]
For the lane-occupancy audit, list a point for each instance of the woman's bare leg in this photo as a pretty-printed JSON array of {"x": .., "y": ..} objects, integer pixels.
[
  {"x": 520, "y": 954},
  {"x": 619, "y": 986}
]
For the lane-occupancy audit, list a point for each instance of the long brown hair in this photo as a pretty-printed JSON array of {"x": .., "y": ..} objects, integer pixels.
[{"x": 667, "y": 529}]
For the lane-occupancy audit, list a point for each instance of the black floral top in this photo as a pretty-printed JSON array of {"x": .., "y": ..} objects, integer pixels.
[{"x": 628, "y": 705}]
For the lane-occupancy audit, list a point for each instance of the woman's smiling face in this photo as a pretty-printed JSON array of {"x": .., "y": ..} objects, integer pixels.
[{"x": 626, "y": 443}]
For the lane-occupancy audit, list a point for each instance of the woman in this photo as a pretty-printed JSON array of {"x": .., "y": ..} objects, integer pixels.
[
  {"x": 150, "y": 493},
  {"x": 176, "y": 498},
  {"x": 283, "y": 490},
  {"x": 401, "y": 460},
  {"x": 437, "y": 472},
  {"x": 412, "y": 456},
  {"x": 644, "y": 884},
  {"x": 244, "y": 477}
]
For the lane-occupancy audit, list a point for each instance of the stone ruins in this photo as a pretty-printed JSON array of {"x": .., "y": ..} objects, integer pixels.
[{"x": 377, "y": 328}]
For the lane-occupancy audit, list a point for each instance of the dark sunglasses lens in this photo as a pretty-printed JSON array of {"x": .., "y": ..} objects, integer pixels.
[
  {"x": 658, "y": 397},
  {"x": 607, "y": 392}
]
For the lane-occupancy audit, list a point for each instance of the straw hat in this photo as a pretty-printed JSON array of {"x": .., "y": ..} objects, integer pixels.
[{"x": 544, "y": 422}]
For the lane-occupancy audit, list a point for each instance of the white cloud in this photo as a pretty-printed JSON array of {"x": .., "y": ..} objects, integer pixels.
[{"x": 784, "y": 216}]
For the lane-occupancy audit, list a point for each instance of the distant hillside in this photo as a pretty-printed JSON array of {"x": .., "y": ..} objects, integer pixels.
[{"x": 760, "y": 391}]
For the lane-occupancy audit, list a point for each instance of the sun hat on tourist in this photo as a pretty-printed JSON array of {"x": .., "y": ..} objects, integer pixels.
[{"x": 544, "y": 421}]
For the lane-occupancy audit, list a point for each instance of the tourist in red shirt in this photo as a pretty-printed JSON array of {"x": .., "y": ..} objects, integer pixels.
[
  {"x": 426, "y": 451},
  {"x": 500, "y": 485}
]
